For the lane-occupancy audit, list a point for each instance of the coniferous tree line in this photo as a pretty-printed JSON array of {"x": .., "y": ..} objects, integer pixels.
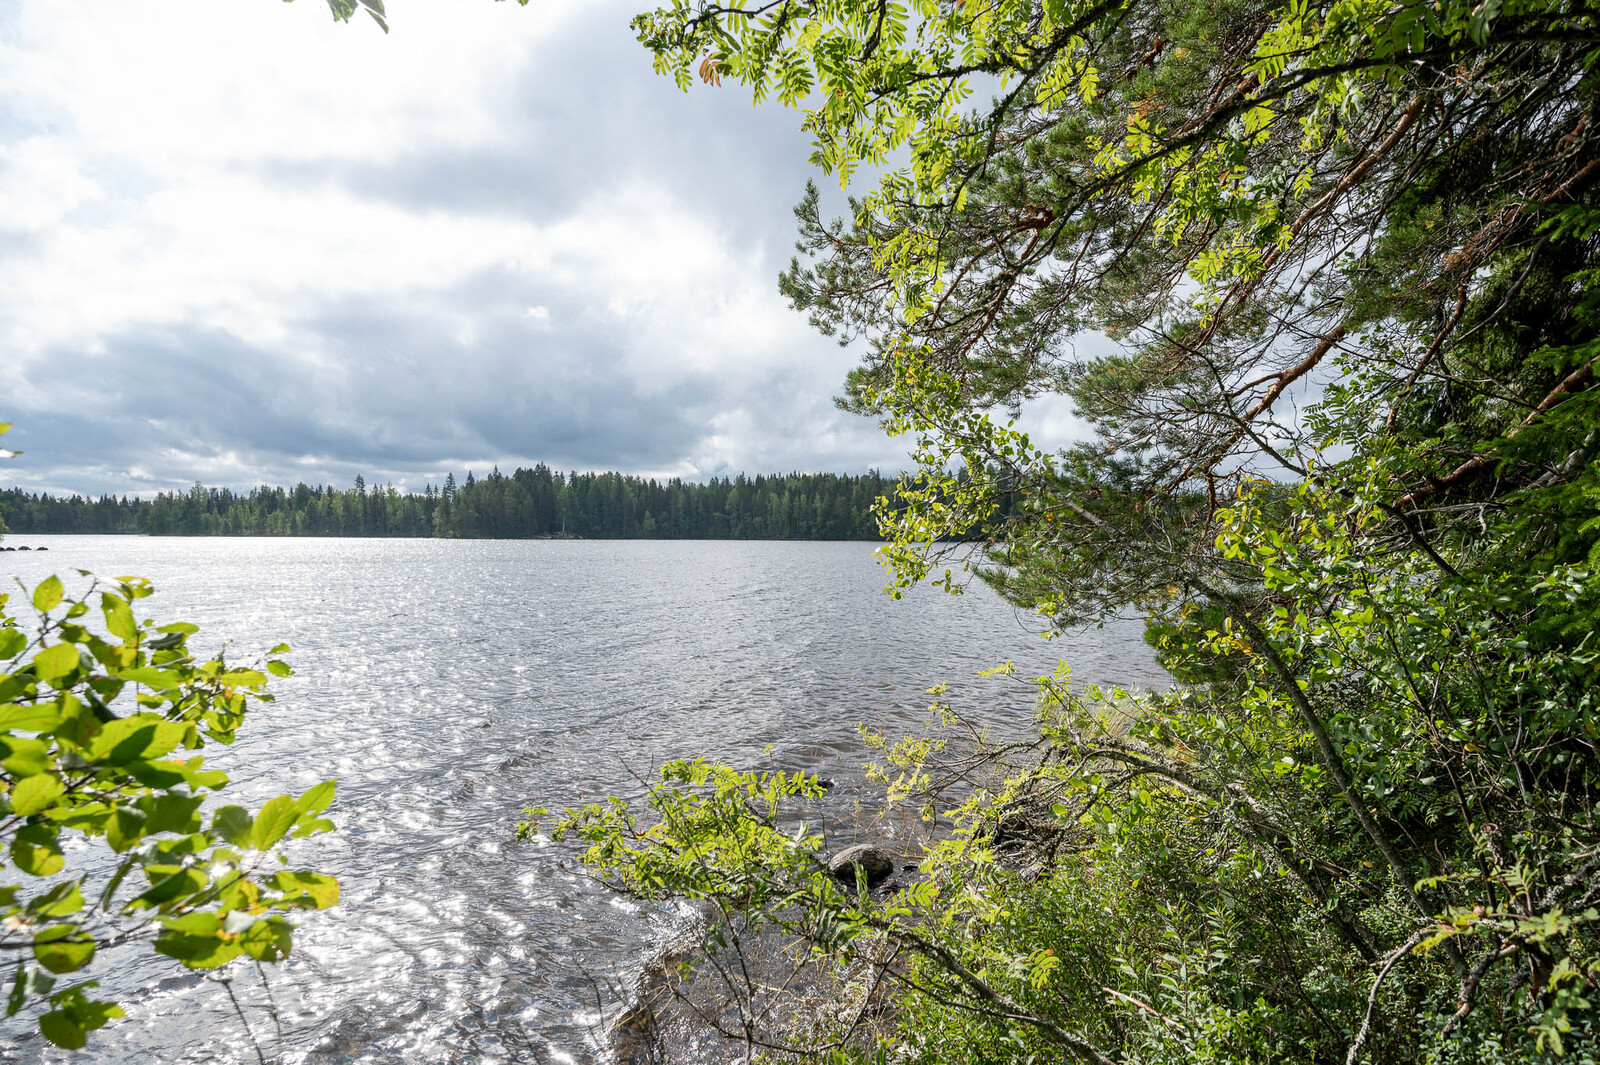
[{"x": 527, "y": 503}]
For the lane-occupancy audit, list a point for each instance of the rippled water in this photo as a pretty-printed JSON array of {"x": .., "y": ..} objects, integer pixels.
[{"x": 449, "y": 684}]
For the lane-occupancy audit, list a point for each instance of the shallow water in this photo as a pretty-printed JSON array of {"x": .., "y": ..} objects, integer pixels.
[{"x": 449, "y": 684}]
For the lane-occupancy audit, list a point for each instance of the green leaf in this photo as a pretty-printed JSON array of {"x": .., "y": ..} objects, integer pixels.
[
  {"x": 233, "y": 823},
  {"x": 119, "y": 617},
  {"x": 196, "y": 940},
  {"x": 47, "y": 596},
  {"x": 76, "y": 1015},
  {"x": 12, "y": 641},
  {"x": 168, "y": 882},
  {"x": 86, "y": 817},
  {"x": 19, "y": 991},
  {"x": 321, "y": 890},
  {"x": 63, "y": 900},
  {"x": 194, "y": 924},
  {"x": 56, "y": 661},
  {"x": 144, "y": 736},
  {"x": 124, "y": 829},
  {"x": 63, "y": 948},
  {"x": 23, "y": 757},
  {"x": 267, "y": 940},
  {"x": 151, "y": 677},
  {"x": 34, "y": 717},
  {"x": 59, "y": 1027},
  {"x": 310, "y": 825},
  {"x": 34, "y": 850},
  {"x": 34, "y": 793},
  {"x": 171, "y": 813},
  {"x": 316, "y": 798},
  {"x": 275, "y": 819}
]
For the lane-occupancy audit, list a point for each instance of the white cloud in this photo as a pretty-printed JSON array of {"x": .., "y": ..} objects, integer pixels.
[
  {"x": 161, "y": 117},
  {"x": 186, "y": 83},
  {"x": 41, "y": 185},
  {"x": 245, "y": 243}
]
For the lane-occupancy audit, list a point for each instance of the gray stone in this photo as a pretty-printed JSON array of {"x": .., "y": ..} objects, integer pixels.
[{"x": 873, "y": 860}]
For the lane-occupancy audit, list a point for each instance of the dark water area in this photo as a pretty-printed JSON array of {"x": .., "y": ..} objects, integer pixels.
[{"x": 449, "y": 684}]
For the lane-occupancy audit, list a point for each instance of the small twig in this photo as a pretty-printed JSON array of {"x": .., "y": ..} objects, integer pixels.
[
  {"x": 272, "y": 1005},
  {"x": 1162, "y": 1017},
  {"x": 227, "y": 986},
  {"x": 1365, "y": 1031}
]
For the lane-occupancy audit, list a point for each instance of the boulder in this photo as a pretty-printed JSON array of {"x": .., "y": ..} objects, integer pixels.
[{"x": 872, "y": 860}]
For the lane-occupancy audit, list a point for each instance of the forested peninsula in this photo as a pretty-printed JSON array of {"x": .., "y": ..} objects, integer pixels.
[{"x": 528, "y": 503}]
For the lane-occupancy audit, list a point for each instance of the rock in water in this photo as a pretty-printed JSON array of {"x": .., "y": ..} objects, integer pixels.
[{"x": 873, "y": 860}]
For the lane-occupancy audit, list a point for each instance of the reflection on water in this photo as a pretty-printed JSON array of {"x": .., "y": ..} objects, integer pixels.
[{"x": 449, "y": 684}]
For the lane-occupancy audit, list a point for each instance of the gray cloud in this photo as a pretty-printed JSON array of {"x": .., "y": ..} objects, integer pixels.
[{"x": 162, "y": 407}]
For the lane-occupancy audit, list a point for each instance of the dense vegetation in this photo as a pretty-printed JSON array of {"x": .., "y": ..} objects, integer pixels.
[
  {"x": 1324, "y": 275},
  {"x": 536, "y": 502}
]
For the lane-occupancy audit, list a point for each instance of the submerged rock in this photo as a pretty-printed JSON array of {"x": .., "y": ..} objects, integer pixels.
[
  {"x": 872, "y": 860},
  {"x": 655, "y": 1021},
  {"x": 635, "y": 1037}
]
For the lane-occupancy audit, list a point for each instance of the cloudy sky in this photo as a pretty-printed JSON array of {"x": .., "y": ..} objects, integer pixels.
[{"x": 241, "y": 243}]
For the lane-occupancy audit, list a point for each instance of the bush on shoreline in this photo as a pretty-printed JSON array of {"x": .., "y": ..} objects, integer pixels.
[
  {"x": 1324, "y": 281},
  {"x": 99, "y": 723}
]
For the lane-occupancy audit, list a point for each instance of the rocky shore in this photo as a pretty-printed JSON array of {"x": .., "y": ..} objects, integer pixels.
[{"x": 684, "y": 1006}]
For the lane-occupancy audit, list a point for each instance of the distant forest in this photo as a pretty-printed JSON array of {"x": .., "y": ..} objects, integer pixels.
[{"x": 527, "y": 503}]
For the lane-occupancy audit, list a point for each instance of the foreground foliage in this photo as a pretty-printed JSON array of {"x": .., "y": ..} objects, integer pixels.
[
  {"x": 109, "y": 831},
  {"x": 1322, "y": 279}
]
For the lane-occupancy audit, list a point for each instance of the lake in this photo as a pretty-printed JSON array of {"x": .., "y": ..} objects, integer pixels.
[{"x": 449, "y": 684}]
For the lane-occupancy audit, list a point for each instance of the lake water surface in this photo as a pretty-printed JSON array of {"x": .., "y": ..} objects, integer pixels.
[{"x": 449, "y": 684}]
